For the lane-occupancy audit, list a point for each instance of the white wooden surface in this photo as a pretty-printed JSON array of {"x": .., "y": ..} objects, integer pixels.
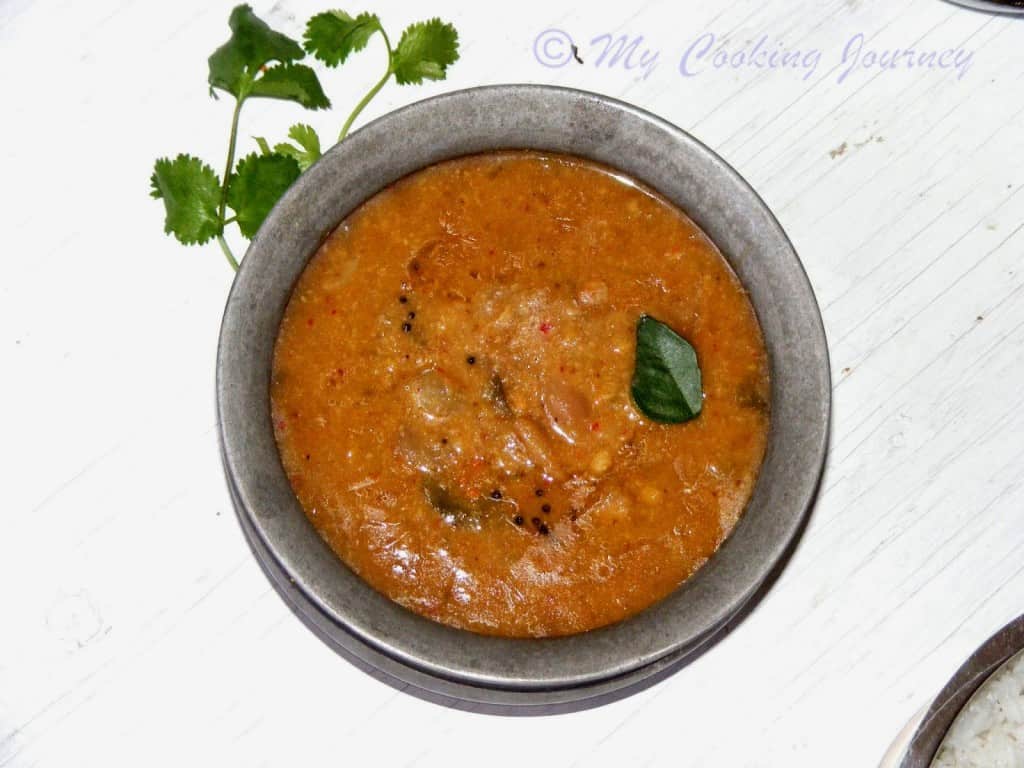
[{"x": 137, "y": 629}]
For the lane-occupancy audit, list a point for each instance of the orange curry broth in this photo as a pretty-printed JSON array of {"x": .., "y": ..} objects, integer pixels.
[{"x": 451, "y": 395}]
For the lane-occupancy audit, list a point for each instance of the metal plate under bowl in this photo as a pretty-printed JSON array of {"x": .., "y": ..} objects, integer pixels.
[
  {"x": 983, "y": 663},
  {"x": 992, "y": 6},
  {"x": 454, "y": 663}
]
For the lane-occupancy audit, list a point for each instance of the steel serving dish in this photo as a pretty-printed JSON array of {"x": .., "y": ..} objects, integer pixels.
[{"x": 455, "y": 665}]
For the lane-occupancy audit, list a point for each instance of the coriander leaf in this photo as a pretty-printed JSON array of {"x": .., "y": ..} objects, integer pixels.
[
  {"x": 292, "y": 82},
  {"x": 190, "y": 191},
  {"x": 258, "y": 183},
  {"x": 666, "y": 381},
  {"x": 235, "y": 64},
  {"x": 425, "y": 51},
  {"x": 308, "y": 151},
  {"x": 333, "y": 35}
]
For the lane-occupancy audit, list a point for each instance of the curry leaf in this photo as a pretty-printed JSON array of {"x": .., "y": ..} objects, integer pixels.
[
  {"x": 258, "y": 183},
  {"x": 425, "y": 51},
  {"x": 252, "y": 44},
  {"x": 190, "y": 191},
  {"x": 455, "y": 509},
  {"x": 333, "y": 35},
  {"x": 667, "y": 380}
]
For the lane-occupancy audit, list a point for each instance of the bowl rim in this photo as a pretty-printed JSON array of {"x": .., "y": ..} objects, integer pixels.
[
  {"x": 642, "y": 146},
  {"x": 483, "y": 700},
  {"x": 989, "y": 657},
  {"x": 999, "y": 7}
]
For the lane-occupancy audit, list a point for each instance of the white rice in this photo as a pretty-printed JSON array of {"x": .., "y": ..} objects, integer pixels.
[{"x": 989, "y": 731}]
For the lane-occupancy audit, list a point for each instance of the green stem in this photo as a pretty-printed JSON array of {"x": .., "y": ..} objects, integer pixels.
[
  {"x": 231, "y": 161},
  {"x": 223, "y": 207},
  {"x": 371, "y": 93},
  {"x": 227, "y": 252}
]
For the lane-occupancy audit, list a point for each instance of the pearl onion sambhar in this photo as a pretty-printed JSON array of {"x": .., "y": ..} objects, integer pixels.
[{"x": 451, "y": 395}]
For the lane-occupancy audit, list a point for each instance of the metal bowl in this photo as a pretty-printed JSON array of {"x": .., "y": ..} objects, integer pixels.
[
  {"x": 993, "y": 6},
  {"x": 939, "y": 717},
  {"x": 455, "y": 663}
]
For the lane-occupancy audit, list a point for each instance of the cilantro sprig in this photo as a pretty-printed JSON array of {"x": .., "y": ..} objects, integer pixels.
[
  {"x": 259, "y": 62},
  {"x": 424, "y": 52}
]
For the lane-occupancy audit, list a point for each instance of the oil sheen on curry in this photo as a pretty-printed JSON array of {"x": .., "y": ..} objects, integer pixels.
[{"x": 453, "y": 400}]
